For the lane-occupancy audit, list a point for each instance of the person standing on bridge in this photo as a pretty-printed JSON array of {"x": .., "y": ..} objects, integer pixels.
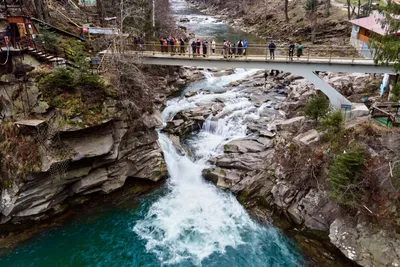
[
  {"x": 182, "y": 45},
  {"x": 205, "y": 44},
  {"x": 225, "y": 49},
  {"x": 193, "y": 45},
  {"x": 291, "y": 50},
  {"x": 172, "y": 44},
  {"x": 240, "y": 48},
  {"x": 213, "y": 46},
  {"x": 198, "y": 45},
  {"x": 233, "y": 49},
  {"x": 299, "y": 48},
  {"x": 272, "y": 48},
  {"x": 165, "y": 44},
  {"x": 245, "y": 47}
]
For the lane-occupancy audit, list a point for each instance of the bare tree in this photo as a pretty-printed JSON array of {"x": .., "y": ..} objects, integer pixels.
[
  {"x": 312, "y": 8},
  {"x": 100, "y": 11},
  {"x": 286, "y": 10},
  {"x": 327, "y": 8},
  {"x": 134, "y": 90}
]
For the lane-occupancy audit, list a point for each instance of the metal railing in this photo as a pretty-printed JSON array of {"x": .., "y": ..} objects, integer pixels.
[{"x": 326, "y": 53}]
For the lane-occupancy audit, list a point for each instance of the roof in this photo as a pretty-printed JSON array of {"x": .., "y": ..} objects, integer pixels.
[{"x": 371, "y": 23}]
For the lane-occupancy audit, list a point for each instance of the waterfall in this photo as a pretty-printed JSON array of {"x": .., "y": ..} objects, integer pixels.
[{"x": 195, "y": 221}]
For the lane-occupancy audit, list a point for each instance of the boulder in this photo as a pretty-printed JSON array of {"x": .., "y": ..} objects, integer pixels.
[
  {"x": 308, "y": 137},
  {"x": 290, "y": 124},
  {"x": 365, "y": 243},
  {"x": 246, "y": 146}
]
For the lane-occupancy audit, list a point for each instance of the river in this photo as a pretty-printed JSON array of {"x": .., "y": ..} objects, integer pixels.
[{"x": 188, "y": 222}]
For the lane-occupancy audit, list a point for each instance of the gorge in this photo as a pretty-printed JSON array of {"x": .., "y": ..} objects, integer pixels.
[{"x": 243, "y": 187}]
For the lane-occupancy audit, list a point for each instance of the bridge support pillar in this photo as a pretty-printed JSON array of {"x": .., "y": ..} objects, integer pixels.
[{"x": 337, "y": 99}]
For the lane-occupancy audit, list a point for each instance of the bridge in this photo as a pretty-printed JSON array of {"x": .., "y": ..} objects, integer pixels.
[{"x": 316, "y": 58}]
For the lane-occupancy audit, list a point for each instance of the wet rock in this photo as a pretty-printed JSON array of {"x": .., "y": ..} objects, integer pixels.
[
  {"x": 246, "y": 146},
  {"x": 190, "y": 93},
  {"x": 223, "y": 178},
  {"x": 184, "y": 20},
  {"x": 248, "y": 161}
]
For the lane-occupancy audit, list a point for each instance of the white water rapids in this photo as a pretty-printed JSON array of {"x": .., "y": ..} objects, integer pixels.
[{"x": 195, "y": 222}]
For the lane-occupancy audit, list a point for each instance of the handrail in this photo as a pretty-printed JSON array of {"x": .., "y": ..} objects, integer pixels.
[{"x": 309, "y": 53}]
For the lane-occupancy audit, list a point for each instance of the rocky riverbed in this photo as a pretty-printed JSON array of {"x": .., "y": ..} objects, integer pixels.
[{"x": 274, "y": 169}]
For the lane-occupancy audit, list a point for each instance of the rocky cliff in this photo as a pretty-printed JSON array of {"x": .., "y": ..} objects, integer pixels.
[
  {"x": 86, "y": 160},
  {"x": 280, "y": 171}
]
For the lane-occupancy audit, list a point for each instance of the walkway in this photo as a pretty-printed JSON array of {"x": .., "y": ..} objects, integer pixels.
[{"x": 306, "y": 66}]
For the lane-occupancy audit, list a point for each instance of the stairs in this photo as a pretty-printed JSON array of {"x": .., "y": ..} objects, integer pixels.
[{"x": 46, "y": 57}]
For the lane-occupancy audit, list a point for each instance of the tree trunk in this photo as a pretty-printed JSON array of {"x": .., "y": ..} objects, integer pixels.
[
  {"x": 100, "y": 11},
  {"x": 45, "y": 11},
  {"x": 39, "y": 9},
  {"x": 314, "y": 26},
  {"x": 348, "y": 9},
  {"x": 358, "y": 9},
  {"x": 33, "y": 5},
  {"x": 286, "y": 10},
  {"x": 327, "y": 8}
]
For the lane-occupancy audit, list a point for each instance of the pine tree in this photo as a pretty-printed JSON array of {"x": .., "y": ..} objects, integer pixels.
[
  {"x": 317, "y": 107},
  {"x": 344, "y": 174}
]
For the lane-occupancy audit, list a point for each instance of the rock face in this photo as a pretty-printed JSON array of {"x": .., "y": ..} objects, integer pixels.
[
  {"x": 364, "y": 243},
  {"x": 102, "y": 158},
  {"x": 94, "y": 160}
]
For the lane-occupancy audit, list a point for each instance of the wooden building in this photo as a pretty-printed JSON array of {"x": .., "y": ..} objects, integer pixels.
[
  {"x": 22, "y": 29},
  {"x": 362, "y": 31}
]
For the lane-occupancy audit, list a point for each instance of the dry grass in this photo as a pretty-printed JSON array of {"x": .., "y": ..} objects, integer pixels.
[{"x": 19, "y": 153}]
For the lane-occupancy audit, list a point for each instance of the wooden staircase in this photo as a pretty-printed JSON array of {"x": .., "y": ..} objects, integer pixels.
[{"x": 46, "y": 56}]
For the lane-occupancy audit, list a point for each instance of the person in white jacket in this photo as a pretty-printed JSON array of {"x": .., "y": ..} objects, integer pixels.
[{"x": 213, "y": 46}]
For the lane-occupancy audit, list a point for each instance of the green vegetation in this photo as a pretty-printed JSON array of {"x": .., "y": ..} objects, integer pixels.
[
  {"x": 333, "y": 123},
  {"x": 75, "y": 93},
  {"x": 48, "y": 39},
  {"x": 387, "y": 47},
  {"x": 344, "y": 175},
  {"x": 317, "y": 107}
]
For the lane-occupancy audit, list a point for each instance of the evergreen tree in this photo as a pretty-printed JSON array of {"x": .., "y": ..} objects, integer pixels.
[
  {"x": 344, "y": 174},
  {"x": 387, "y": 47},
  {"x": 317, "y": 107}
]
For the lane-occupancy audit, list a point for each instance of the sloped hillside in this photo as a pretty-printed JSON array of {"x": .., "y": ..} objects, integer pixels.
[{"x": 267, "y": 18}]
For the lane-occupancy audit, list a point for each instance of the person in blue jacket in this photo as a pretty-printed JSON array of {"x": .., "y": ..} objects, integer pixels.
[
  {"x": 272, "y": 48},
  {"x": 245, "y": 47}
]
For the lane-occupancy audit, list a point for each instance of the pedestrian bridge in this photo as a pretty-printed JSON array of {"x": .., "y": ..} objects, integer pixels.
[{"x": 305, "y": 66}]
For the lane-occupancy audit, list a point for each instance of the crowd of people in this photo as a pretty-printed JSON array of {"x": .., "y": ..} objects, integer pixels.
[{"x": 198, "y": 47}]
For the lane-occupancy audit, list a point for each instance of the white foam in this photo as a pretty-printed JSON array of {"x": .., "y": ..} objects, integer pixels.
[{"x": 195, "y": 219}]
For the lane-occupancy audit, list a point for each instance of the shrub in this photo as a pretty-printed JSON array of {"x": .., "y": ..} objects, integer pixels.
[
  {"x": 49, "y": 40},
  {"x": 317, "y": 107},
  {"x": 333, "y": 123},
  {"x": 61, "y": 80},
  {"x": 344, "y": 175},
  {"x": 395, "y": 93},
  {"x": 91, "y": 86}
]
